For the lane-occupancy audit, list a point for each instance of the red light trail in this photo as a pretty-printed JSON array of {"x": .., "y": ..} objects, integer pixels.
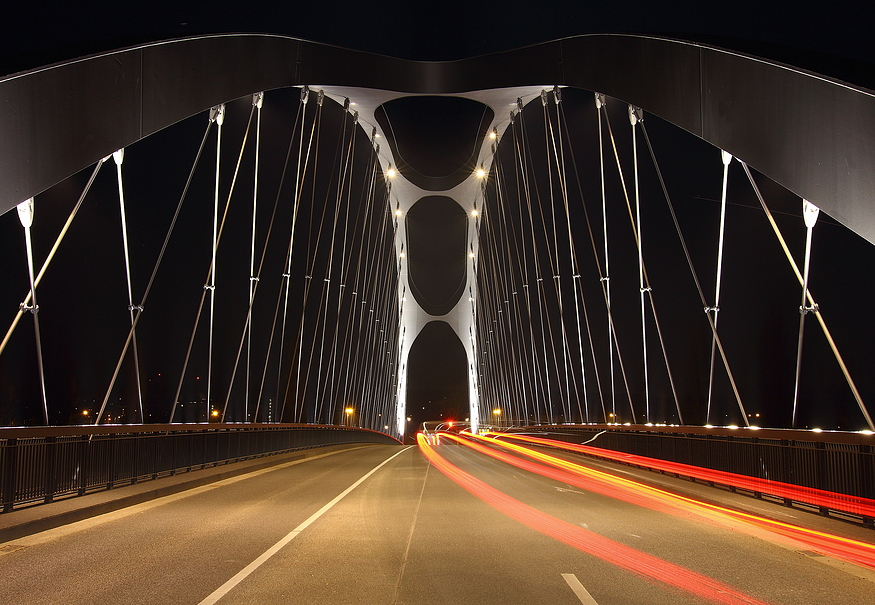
[
  {"x": 809, "y": 495},
  {"x": 643, "y": 564},
  {"x": 654, "y": 498}
]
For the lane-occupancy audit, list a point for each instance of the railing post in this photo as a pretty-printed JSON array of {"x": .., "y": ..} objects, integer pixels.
[
  {"x": 113, "y": 467},
  {"x": 9, "y": 478},
  {"x": 49, "y": 471},
  {"x": 82, "y": 477},
  {"x": 867, "y": 470},
  {"x": 135, "y": 463}
]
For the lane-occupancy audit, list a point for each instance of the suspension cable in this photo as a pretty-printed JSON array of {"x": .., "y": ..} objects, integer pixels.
[
  {"x": 25, "y": 215},
  {"x": 572, "y": 257},
  {"x": 258, "y": 102},
  {"x": 154, "y": 273},
  {"x": 610, "y": 316},
  {"x": 809, "y": 213},
  {"x": 811, "y": 302},
  {"x": 579, "y": 285},
  {"x": 727, "y": 159},
  {"x": 51, "y": 254},
  {"x": 219, "y": 117},
  {"x": 634, "y": 118},
  {"x": 210, "y": 271},
  {"x": 267, "y": 240},
  {"x": 118, "y": 157},
  {"x": 695, "y": 275},
  {"x": 600, "y": 103}
]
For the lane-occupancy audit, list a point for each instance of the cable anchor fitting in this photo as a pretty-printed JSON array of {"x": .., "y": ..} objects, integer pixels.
[
  {"x": 812, "y": 309},
  {"x": 647, "y": 289},
  {"x": 709, "y": 309},
  {"x": 209, "y": 287},
  {"x": 33, "y": 309},
  {"x": 135, "y": 308},
  {"x": 635, "y": 115},
  {"x": 217, "y": 114}
]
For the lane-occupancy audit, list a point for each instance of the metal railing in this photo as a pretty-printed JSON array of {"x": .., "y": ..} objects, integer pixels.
[
  {"x": 840, "y": 463},
  {"x": 42, "y": 464}
]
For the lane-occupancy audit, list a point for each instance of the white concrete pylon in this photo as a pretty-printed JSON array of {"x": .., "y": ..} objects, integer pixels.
[{"x": 404, "y": 194}]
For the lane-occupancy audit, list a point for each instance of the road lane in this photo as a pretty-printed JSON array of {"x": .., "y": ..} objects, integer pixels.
[
  {"x": 181, "y": 551},
  {"x": 755, "y": 565},
  {"x": 407, "y": 534}
]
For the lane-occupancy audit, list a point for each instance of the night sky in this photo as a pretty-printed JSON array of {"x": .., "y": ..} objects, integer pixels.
[{"x": 827, "y": 38}]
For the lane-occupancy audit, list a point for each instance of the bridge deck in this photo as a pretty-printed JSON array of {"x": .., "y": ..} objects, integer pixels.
[{"x": 408, "y": 534}]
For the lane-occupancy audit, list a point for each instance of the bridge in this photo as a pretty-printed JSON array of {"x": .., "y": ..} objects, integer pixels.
[{"x": 301, "y": 253}]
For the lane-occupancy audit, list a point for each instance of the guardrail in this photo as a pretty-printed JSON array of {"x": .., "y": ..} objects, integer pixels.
[
  {"x": 41, "y": 464},
  {"x": 839, "y": 465}
]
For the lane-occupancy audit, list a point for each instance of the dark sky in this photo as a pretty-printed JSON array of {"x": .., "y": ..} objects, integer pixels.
[
  {"x": 829, "y": 38},
  {"x": 35, "y": 33}
]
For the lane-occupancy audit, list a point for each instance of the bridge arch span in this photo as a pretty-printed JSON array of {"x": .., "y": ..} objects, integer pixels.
[{"x": 810, "y": 133}]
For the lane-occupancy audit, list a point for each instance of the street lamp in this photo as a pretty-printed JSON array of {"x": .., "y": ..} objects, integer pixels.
[
  {"x": 349, "y": 413},
  {"x": 497, "y": 413}
]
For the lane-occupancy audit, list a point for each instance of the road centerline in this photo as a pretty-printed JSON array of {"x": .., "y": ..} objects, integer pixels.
[{"x": 579, "y": 590}]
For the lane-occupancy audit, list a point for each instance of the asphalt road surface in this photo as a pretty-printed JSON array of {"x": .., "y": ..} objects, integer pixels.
[{"x": 382, "y": 525}]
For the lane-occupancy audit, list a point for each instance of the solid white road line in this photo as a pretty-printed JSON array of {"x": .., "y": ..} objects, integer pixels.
[
  {"x": 76, "y": 526},
  {"x": 225, "y": 588},
  {"x": 578, "y": 589}
]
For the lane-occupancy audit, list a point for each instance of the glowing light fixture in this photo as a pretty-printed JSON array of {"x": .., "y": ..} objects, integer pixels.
[
  {"x": 390, "y": 172},
  {"x": 474, "y": 212},
  {"x": 481, "y": 172}
]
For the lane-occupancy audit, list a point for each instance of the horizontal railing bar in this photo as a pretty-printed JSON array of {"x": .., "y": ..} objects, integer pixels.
[
  {"x": 113, "y": 429},
  {"x": 848, "y": 437}
]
